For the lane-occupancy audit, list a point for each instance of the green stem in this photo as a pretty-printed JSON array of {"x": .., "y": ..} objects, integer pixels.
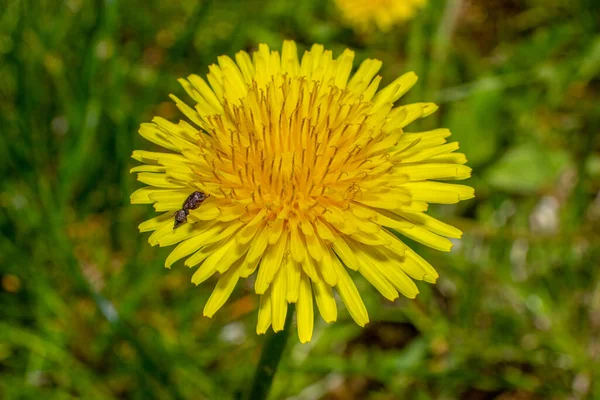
[{"x": 269, "y": 360}]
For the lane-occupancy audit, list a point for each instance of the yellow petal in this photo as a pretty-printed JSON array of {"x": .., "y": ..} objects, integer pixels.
[
  {"x": 431, "y": 275},
  {"x": 289, "y": 58},
  {"x": 362, "y": 212},
  {"x": 363, "y": 76},
  {"x": 395, "y": 90},
  {"x": 158, "y": 180},
  {"x": 187, "y": 247},
  {"x": 233, "y": 79},
  {"x": 452, "y": 158},
  {"x": 179, "y": 195},
  {"x": 170, "y": 205},
  {"x": 435, "y": 197},
  {"x": 188, "y": 111},
  {"x": 222, "y": 291},
  {"x": 350, "y": 296},
  {"x": 141, "y": 196},
  {"x": 413, "y": 111},
  {"x": 163, "y": 229},
  {"x": 231, "y": 213},
  {"x": 344, "y": 67},
  {"x": 297, "y": 244},
  {"x": 325, "y": 301},
  {"x": 428, "y": 153},
  {"x": 236, "y": 252},
  {"x": 153, "y": 133},
  {"x": 248, "y": 232},
  {"x": 391, "y": 270},
  {"x": 279, "y": 306},
  {"x": 378, "y": 280},
  {"x": 391, "y": 220},
  {"x": 327, "y": 269},
  {"x": 155, "y": 222},
  {"x": 202, "y": 254},
  {"x": 293, "y": 271},
  {"x": 324, "y": 231},
  {"x": 151, "y": 157},
  {"x": 307, "y": 228},
  {"x": 432, "y": 224},
  {"x": 258, "y": 246},
  {"x": 420, "y": 190},
  {"x": 276, "y": 229},
  {"x": 386, "y": 200},
  {"x": 246, "y": 67},
  {"x": 371, "y": 89},
  {"x": 186, "y": 231},
  {"x": 148, "y": 168},
  {"x": 309, "y": 267},
  {"x": 362, "y": 224},
  {"x": 264, "y": 313},
  {"x": 421, "y": 172},
  {"x": 372, "y": 239},
  {"x": 425, "y": 139},
  {"x": 341, "y": 248},
  {"x": 305, "y": 314},
  {"x": 340, "y": 222},
  {"x": 427, "y": 238},
  {"x": 396, "y": 249},
  {"x": 207, "y": 93},
  {"x": 207, "y": 211},
  {"x": 249, "y": 269},
  {"x": 315, "y": 247},
  {"x": 209, "y": 266},
  {"x": 229, "y": 230},
  {"x": 270, "y": 264},
  {"x": 190, "y": 90}
]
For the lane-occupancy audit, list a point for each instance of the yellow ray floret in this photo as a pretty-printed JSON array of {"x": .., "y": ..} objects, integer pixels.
[{"x": 309, "y": 174}]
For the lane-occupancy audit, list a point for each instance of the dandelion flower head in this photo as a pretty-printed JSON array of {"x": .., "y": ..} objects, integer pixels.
[
  {"x": 308, "y": 174},
  {"x": 383, "y": 14}
]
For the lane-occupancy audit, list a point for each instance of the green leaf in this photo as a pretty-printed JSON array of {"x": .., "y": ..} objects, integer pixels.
[
  {"x": 475, "y": 123},
  {"x": 527, "y": 169}
]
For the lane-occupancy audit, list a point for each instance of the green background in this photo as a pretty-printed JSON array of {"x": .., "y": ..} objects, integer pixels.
[{"x": 88, "y": 311}]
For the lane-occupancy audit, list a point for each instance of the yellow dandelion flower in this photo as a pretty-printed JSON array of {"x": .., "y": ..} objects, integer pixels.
[
  {"x": 382, "y": 13},
  {"x": 307, "y": 172}
]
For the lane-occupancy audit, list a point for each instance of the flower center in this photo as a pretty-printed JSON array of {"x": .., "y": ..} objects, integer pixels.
[{"x": 296, "y": 147}]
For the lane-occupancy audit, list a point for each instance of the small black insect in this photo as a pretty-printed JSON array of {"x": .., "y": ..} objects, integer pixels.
[
  {"x": 180, "y": 218},
  {"x": 193, "y": 201}
]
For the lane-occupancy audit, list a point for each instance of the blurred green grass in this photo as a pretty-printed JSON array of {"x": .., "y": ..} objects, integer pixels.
[{"x": 88, "y": 311}]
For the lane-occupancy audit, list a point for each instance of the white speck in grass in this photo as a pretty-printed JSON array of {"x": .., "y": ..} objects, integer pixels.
[
  {"x": 564, "y": 361},
  {"x": 447, "y": 287},
  {"x": 320, "y": 388},
  {"x": 518, "y": 259},
  {"x": 19, "y": 201},
  {"x": 544, "y": 218},
  {"x": 36, "y": 378},
  {"x": 234, "y": 333},
  {"x": 74, "y": 5},
  {"x": 456, "y": 245},
  {"x": 506, "y": 210},
  {"x": 581, "y": 383},
  {"x": 104, "y": 49},
  {"x": 60, "y": 125},
  {"x": 534, "y": 304},
  {"x": 109, "y": 310}
]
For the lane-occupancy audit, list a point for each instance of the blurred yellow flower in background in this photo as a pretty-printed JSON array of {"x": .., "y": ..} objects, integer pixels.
[
  {"x": 309, "y": 174},
  {"x": 382, "y": 13}
]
